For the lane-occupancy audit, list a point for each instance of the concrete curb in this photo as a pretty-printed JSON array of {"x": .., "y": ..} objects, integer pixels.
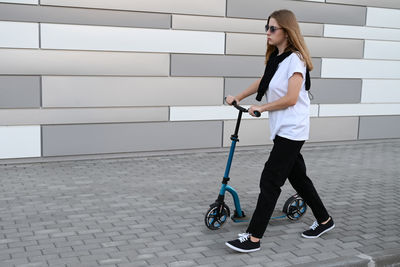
[{"x": 383, "y": 258}]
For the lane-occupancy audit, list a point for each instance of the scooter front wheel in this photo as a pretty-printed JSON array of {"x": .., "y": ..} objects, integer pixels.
[{"x": 216, "y": 216}]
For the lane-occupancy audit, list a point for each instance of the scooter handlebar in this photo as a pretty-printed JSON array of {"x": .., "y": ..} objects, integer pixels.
[{"x": 258, "y": 114}]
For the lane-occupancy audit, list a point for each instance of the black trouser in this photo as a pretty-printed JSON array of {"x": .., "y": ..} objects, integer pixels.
[{"x": 285, "y": 161}]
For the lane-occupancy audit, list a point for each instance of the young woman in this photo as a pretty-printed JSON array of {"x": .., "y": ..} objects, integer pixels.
[{"x": 285, "y": 84}]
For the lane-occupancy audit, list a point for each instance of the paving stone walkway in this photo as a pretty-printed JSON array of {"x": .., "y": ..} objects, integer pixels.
[{"x": 149, "y": 210}]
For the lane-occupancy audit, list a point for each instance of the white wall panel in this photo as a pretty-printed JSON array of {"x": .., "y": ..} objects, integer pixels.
[
  {"x": 383, "y": 17},
  {"x": 217, "y": 113},
  {"x": 359, "y": 68},
  {"x": 380, "y": 91},
  {"x": 332, "y": 110},
  {"x": 207, "y": 113},
  {"x": 78, "y": 37},
  {"x": 19, "y": 34},
  {"x": 359, "y": 32},
  {"x": 20, "y": 141},
  {"x": 204, "y": 7},
  {"x": 382, "y": 50}
]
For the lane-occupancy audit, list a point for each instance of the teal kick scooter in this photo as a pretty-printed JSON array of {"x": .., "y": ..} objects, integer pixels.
[{"x": 294, "y": 208}]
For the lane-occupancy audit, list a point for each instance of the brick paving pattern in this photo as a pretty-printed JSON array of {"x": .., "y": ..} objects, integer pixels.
[{"x": 149, "y": 210}]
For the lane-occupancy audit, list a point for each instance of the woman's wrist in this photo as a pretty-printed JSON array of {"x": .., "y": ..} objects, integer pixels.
[{"x": 264, "y": 107}]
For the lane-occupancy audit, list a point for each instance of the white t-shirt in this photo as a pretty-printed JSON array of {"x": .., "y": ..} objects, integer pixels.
[{"x": 292, "y": 122}]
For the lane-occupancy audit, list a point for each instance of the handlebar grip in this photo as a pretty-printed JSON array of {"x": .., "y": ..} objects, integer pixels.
[{"x": 258, "y": 114}]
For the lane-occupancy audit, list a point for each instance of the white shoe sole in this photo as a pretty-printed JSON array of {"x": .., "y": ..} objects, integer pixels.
[
  {"x": 241, "y": 250},
  {"x": 307, "y": 236}
]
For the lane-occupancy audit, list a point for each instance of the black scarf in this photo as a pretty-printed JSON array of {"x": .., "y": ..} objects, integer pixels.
[{"x": 270, "y": 69}]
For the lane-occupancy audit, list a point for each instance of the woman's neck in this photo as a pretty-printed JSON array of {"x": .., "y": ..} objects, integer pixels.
[{"x": 281, "y": 47}]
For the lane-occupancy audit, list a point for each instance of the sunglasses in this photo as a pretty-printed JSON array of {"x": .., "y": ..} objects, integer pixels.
[{"x": 271, "y": 28}]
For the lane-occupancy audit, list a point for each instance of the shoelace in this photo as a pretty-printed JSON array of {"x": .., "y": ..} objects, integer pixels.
[
  {"x": 243, "y": 237},
  {"x": 314, "y": 225}
]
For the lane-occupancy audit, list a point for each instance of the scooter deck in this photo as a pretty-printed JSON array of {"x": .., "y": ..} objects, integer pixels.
[
  {"x": 241, "y": 219},
  {"x": 277, "y": 214}
]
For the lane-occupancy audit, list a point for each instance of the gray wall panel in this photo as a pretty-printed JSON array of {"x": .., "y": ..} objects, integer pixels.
[
  {"x": 113, "y": 138},
  {"x": 335, "y": 47},
  {"x": 233, "y": 86},
  {"x": 316, "y": 72},
  {"x": 214, "y": 65},
  {"x": 305, "y": 11},
  {"x": 29, "y": 2},
  {"x": 83, "y": 16},
  {"x": 325, "y": 91},
  {"x": 255, "y": 44},
  {"x": 252, "y": 132},
  {"x": 375, "y": 3},
  {"x": 19, "y": 91},
  {"x": 336, "y": 91},
  {"x": 200, "y": 7},
  {"x": 257, "y": 132},
  {"x": 74, "y": 91},
  {"x": 234, "y": 25},
  {"x": 333, "y": 129},
  {"x": 374, "y": 127},
  {"x": 228, "y": 66},
  {"x": 42, "y": 116},
  {"x": 59, "y": 62}
]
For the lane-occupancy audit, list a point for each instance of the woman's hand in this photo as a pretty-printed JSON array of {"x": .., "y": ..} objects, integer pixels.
[
  {"x": 255, "y": 108},
  {"x": 229, "y": 99}
]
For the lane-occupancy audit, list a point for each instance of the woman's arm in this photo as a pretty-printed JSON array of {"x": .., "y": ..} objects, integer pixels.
[
  {"x": 252, "y": 89},
  {"x": 286, "y": 101}
]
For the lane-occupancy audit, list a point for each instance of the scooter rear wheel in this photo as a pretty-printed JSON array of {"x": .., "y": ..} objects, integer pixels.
[
  {"x": 295, "y": 207},
  {"x": 216, "y": 216}
]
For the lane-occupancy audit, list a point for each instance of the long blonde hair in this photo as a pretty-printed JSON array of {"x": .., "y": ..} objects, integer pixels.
[{"x": 287, "y": 20}]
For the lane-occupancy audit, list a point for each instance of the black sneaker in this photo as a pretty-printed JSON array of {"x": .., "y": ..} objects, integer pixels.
[
  {"x": 318, "y": 229},
  {"x": 244, "y": 244}
]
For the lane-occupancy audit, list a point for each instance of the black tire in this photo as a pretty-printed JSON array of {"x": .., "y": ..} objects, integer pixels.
[
  {"x": 216, "y": 216},
  {"x": 295, "y": 207}
]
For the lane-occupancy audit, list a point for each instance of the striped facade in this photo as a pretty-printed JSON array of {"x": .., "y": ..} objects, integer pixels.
[{"x": 84, "y": 77}]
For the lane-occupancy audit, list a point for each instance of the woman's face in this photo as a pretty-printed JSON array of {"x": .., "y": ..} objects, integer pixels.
[{"x": 278, "y": 36}]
